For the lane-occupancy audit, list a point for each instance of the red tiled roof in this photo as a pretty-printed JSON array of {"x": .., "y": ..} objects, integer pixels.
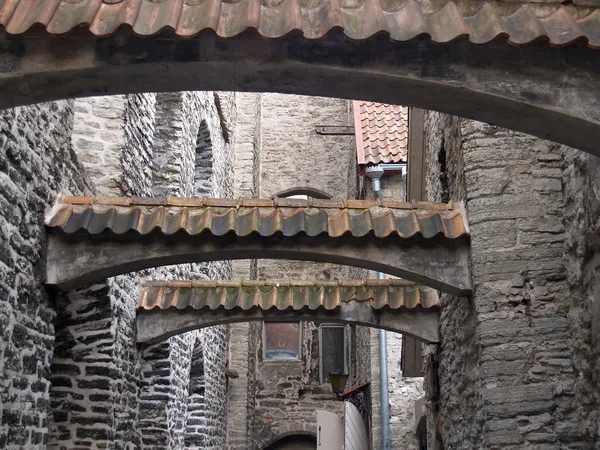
[
  {"x": 381, "y": 132},
  {"x": 275, "y": 19}
]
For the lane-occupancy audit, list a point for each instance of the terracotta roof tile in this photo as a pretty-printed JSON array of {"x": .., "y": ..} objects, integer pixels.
[
  {"x": 381, "y": 132},
  {"x": 292, "y": 217},
  {"x": 276, "y": 19},
  {"x": 393, "y": 294}
]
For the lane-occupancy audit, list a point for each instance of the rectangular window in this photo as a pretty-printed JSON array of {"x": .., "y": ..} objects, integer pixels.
[
  {"x": 281, "y": 341},
  {"x": 332, "y": 344}
]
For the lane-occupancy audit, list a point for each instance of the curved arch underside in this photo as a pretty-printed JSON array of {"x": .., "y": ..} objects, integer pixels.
[
  {"x": 157, "y": 325},
  {"x": 439, "y": 263},
  {"x": 553, "y": 93}
]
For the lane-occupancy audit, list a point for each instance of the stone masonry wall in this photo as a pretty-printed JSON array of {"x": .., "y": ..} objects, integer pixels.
[
  {"x": 105, "y": 392},
  {"x": 581, "y": 188},
  {"x": 36, "y": 163},
  {"x": 293, "y": 154},
  {"x": 95, "y": 369},
  {"x": 505, "y": 364},
  {"x": 243, "y": 337},
  {"x": 402, "y": 393},
  {"x": 99, "y": 138}
]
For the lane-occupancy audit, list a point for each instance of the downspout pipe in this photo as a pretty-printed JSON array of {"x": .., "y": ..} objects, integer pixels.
[{"x": 375, "y": 173}]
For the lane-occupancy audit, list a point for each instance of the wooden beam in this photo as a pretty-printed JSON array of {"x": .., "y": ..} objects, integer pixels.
[
  {"x": 335, "y": 130},
  {"x": 417, "y": 164}
]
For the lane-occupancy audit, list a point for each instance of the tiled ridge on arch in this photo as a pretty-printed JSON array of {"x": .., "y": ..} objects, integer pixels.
[
  {"x": 266, "y": 217},
  {"x": 231, "y": 18},
  {"x": 281, "y": 295}
]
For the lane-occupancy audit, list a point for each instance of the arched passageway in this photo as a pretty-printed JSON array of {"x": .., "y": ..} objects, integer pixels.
[
  {"x": 91, "y": 239},
  {"x": 295, "y": 442},
  {"x": 535, "y": 88}
]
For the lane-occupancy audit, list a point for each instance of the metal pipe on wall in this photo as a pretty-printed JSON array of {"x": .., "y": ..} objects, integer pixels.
[{"x": 375, "y": 173}]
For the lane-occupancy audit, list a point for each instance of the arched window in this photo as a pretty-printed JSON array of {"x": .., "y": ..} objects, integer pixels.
[{"x": 302, "y": 192}]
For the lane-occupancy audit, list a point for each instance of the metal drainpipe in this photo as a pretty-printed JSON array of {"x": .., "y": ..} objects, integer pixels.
[{"x": 375, "y": 173}]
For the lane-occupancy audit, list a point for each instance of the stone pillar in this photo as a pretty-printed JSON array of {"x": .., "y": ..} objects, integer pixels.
[
  {"x": 245, "y": 166},
  {"x": 505, "y": 366}
]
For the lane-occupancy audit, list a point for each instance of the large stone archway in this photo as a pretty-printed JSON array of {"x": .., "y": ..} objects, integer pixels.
[
  {"x": 174, "y": 307},
  {"x": 94, "y": 238},
  {"x": 549, "y": 92}
]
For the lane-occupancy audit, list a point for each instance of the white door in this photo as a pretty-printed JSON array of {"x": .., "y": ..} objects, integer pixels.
[
  {"x": 356, "y": 432},
  {"x": 330, "y": 431}
]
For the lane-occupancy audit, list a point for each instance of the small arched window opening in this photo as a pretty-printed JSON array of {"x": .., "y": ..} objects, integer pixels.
[
  {"x": 303, "y": 192},
  {"x": 203, "y": 167},
  {"x": 197, "y": 384}
]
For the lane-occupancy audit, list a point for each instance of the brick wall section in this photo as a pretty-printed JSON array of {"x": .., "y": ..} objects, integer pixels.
[
  {"x": 521, "y": 392},
  {"x": 36, "y": 163}
]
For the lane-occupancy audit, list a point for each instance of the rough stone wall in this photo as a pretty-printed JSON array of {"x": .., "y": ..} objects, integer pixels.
[
  {"x": 289, "y": 392},
  {"x": 139, "y": 137},
  {"x": 403, "y": 392},
  {"x": 505, "y": 363},
  {"x": 581, "y": 187},
  {"x": 99, "y": 139},
  {"x": 182, "y": 120},
  {"x": 36, "y": 163},
  {"x": 293, "y": 154}
]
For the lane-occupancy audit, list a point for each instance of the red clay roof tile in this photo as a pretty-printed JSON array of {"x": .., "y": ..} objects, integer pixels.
[
  {"x": 381, "y": 132},
  {"x": 228, "y": 295},
  {"x": 221, "y": 216},
  {"x": 276, "y": 19}
]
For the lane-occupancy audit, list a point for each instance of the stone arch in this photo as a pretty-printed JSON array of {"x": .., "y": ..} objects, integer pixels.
[
  {"x": 157, "y": 325},
  {"x": 303, "y": 190},
  {"x": 285, "y": 431},
  {"x": 203, "y": 164},
  {"x": 523, "y": 88}
]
